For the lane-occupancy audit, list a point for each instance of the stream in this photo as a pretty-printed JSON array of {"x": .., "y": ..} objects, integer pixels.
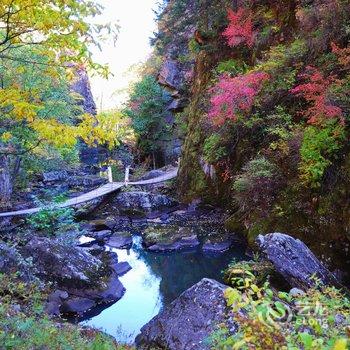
[{"x": 154, "y": 281}]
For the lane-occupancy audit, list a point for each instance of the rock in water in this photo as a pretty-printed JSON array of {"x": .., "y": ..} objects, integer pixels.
[
  {"x": 294, "y": 261},
  {"x": 188, "y": 321},
  {"x": 120, "y": 240},
  {"x": 121, "y": 268}
]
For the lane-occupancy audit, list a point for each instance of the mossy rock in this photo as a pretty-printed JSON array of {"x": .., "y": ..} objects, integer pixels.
[{"x": 165, "y": 234}]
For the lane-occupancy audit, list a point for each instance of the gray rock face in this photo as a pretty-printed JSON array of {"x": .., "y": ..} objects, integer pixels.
[
  {"x": 83, "y": 281},
  {"x": 171, "y": 77},
  {"x": 142, "y": 201},
  {"x": 294, "y": 261},
  {"x": 54, "y": 176},
  {"x": 100, "y": 236},
  {"x": 77, "y": 306},
  {"x": 73, "y": 179},
  {"x": 57, "y": 262},
  {"x": 81, "y": 85},
  {"x": 188, "y": 321},
  {"x": 85, "y": 181}
]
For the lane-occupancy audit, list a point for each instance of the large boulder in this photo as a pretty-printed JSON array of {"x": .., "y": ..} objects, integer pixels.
[
  {"x": 88, "y": 281},
  {"x": 294, "y": 261},
  {"x": 188, "y": 321},
  {"x": 11, "y": 261},
  {"x": 120, "y": 240},
  {"x": 144, "y": 201},
  {"x": 68, "y": 265}
]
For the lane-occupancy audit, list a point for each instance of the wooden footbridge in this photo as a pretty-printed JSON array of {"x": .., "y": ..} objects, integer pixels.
[{"x": 97, "y": 193}]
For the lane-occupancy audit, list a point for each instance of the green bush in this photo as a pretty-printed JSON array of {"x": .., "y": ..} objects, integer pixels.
[
  {"x": 213, "y": 150},
  {"x": 258, "y": 168},
  {"x": 319, "y": 146},
  {"x": 233, "y": 67},
  {"x": 51, "y": 219}
]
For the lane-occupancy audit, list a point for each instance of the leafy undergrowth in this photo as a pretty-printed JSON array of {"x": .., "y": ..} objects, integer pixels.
[
  {"x": 318, "y": 319},
  {"x": 24, "y": 326}
]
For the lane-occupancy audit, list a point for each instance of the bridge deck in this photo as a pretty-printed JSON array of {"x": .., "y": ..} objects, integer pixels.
[{"x": 97, "y": 193}]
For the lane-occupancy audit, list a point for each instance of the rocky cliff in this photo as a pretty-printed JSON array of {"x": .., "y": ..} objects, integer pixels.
[{"x": 273, "y": 168}]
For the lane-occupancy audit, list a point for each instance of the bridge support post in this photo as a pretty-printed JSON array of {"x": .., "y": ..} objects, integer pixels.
[
  {"x": 127, "y": 173},
  {"x": 110, "y": 174}
]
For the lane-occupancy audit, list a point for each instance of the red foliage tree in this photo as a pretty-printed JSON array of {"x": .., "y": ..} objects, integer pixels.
[
  {"x": 315, "y": 91},
  {"x": 240, "y": 28},
  {"x": 232, "y": 96}
]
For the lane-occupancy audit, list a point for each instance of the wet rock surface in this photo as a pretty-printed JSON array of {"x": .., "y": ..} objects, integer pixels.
[
  {"x": 188, "y": 321},
  {"x": 100, "y": 236},
  {"x": 121, "y": 268},
  {"x": 216, "y": 247},
  {"x": 77, "y": 306}
]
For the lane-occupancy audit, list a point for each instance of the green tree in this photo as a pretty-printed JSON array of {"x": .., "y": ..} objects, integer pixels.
[
  {"x": 147, "y": 109},
  {"x": 41, "y": 43}
]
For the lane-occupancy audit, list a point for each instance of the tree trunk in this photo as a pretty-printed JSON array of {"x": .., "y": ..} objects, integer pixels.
[{"x": 6, "y": 181}]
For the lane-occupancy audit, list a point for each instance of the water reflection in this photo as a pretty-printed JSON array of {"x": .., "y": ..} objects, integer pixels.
[{"x": 154, "y": 281}]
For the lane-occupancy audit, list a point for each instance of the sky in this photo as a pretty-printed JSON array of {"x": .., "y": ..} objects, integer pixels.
[{"x": 136, "y": 20}]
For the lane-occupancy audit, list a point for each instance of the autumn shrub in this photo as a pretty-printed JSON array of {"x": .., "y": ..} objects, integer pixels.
[
  {"x": 268, "y": 319},
  {"x": 232, "y": 97},
  {"x": 315, "y": 91},
  {"x": 279, "y": 126},
  {"x": 240, "y": 28},
  {"x": 322, "y": 22},
  {"x": 279, "y": 63}
]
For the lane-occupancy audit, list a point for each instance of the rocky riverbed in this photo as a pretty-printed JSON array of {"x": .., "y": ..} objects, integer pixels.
[{"x": 145, "y": 267}]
